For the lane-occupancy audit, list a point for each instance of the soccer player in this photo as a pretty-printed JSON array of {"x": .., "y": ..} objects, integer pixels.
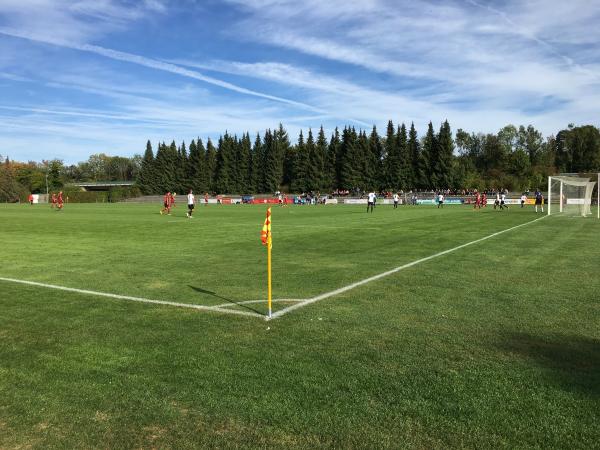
[
  {"x": 30, "y": 199},
  {"x": 371, "y": 201},
  {"x": 206, "y": 199},
  {"x": 440, "y": 200},
  {"x": 539, "y": 200},
  {"x": 484, "y": 199},
  {"x": 477, "y": 201},
  {"x": 503, "y": 201},
  {"x": 523, "y": 200},
  {"x": 191, "y": 202},
  {"x": 166, "y": 204},
  {"x": 53, "y": 204},
  {"x": 396, "y": 200},
  {"x": 497, "y": 201},
  {"x": 59, "y": 201}
]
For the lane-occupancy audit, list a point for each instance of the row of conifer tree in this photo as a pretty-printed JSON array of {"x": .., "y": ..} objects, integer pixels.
[
  {"x": 350, "y": 159},
  {"x": 357, "y": 160}
]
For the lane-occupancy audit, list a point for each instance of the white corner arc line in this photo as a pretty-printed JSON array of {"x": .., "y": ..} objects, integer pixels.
[
  {"x": 133, "y": 299},
  {"x": 247, "y": 302},
  {"x": 341, "y": 290}
]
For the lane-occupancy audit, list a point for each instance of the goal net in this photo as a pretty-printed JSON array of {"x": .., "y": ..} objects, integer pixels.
[{"x": 570, "y": 195}]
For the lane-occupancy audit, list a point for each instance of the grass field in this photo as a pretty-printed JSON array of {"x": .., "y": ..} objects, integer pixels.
[{"x": 494, "y": 345}]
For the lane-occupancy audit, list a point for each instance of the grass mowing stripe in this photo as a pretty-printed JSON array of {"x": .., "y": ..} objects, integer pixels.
[
  {"x": 390, "y": 272},
  {"x": 129, "y": 298}
]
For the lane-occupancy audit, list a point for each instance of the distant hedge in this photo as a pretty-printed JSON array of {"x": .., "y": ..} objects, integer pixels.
[{"x": 74, "y": 194}]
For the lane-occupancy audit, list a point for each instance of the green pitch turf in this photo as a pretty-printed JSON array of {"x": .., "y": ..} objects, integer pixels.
[{"x": 495, "y": 345}]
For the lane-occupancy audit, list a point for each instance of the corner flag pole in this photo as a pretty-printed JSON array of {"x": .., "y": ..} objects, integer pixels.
[
  {"x": 267, "y": 239},
  {"x": 269, "y": 246}
]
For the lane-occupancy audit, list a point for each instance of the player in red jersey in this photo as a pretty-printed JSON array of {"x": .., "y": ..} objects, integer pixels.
[
  {"x": 478, "y": 201},
  {"x": 53, "y": 204},
  {"x": 166, "y": 204},
  {"x": 59, "y": 200},
  {"x": 484, "y": 200},
  {"x": 206, "y": 199},
  {"x": 172, "y": 199}
]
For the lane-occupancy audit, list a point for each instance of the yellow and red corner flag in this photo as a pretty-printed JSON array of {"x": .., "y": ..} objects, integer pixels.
[
  {"x": 267, "y": 239},
  {"x": 265, "y": 234}
]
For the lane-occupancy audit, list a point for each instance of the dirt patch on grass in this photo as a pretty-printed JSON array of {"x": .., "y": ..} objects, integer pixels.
[
  {"x": 154, "y": 432},
  {"x": 100, "y": 416}
]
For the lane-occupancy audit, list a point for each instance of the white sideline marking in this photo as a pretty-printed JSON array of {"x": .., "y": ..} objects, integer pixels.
[
  {"x": 304, "y": 303},
  {"x": 133, "y": 299}
]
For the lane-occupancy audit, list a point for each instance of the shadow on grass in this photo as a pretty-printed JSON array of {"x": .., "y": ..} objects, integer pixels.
[
  {"x": 233, "y": 302},
  {"x": 573, "y": 360}
]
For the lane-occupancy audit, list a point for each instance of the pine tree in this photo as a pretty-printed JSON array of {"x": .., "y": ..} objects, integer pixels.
[
  {"x": 312, "y": 174},
  {"x": 289, "y": 166},
  {"x": 445, "y": 157},
  {"x": 146, "y": 179},
  {"x": 414, "y": 151},
  {"x": 257, "y": 158},
  {"x": 210, "y": 165},
  {"x": 243, "y": 164},
  {"x": 273, "y": 162},
  {"x": 225, "y": 170},
  {"x": 282, "y": 145},
  {"x": 197, "y": 167},
  {"x": 353, "y": 160},
  {"x": 300, "y": 183},
  {"x": 374, "y": 173},
  {"x": 428, "y": 158},
  {"x": 320, "y": 160},
  {"x": 330, "y": 162},
  {"x": 405, "y": 177},
  {"x": 183, "y": 182},
  {"x": 392, "y": 158},
  {"x": 166, "y": 167}
]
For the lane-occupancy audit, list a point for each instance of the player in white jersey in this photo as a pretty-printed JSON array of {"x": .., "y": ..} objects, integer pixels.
[
  {"x": 523, "y": 200},
  {"x": 191, "y": 201},
  {"x": 396, "y": 200},
  {"x": 503, "y": 201},
  {"x": 440, "y": 200},
  {"x": 371, "y": 201}
]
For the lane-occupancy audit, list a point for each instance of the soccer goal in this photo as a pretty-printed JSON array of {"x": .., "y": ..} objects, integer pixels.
[{"x": 571, "y": 195}]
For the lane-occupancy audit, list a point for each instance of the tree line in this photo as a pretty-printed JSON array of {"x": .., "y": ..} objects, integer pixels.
[
  {"x": 359, "y": 160},
  {"x": 515, "y": 158}
]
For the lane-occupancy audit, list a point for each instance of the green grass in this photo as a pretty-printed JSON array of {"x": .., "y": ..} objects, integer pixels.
[{"x": 496, "y": 345}]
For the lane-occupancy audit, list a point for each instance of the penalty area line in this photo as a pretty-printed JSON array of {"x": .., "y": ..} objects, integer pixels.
[
  {"x": 132, "y": 299},
  {"x": 341, "y": 290}
]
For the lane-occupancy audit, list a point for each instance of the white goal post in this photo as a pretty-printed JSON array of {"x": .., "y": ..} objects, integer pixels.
[{"x": 571, "y": 195}]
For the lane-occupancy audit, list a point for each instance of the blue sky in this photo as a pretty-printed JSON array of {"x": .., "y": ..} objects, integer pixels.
[{"x": 91, "y": 76}]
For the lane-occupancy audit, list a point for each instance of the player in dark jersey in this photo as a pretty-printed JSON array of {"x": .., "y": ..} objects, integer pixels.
[{"x": 539, "y": 200}]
